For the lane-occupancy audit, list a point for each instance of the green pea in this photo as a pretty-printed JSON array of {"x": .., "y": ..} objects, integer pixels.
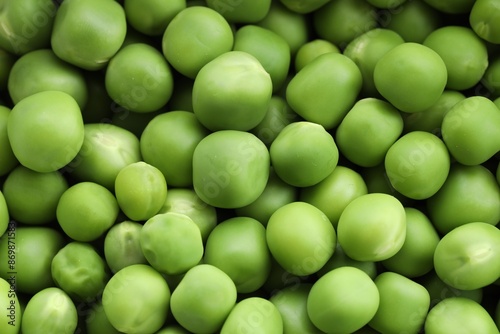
[
  {"x": 454, "y": 315},
  {"x": 88, "y": 34},
  {"x": 106, "y": 150},
  {"x": 342, "y": 301},
  {"x": 172, "y": 330},
  {"x": 249, "y": 262},
  {"x": 86, "y": 210},
  {"x": 4, "y": 214},
  {"x": 470, "y": 130},
  {"x": 19, "y": 247},
  {"x": 50, "y": 310},
  {"x": 411, "y": 77},
  {"x": 403, "y": 304},
  {"x": 241, "y": 11},
  {"x": 491, "y": 78},
  {"x": 230, "y": 168},
  {"x": 360, "y": 233},
  {"x": 192, "y": 302},
  {"x": 46, "y": 72},
  {"x": 136, "y": 300},
  {"x": 386, "y": 4},
  {"x": 59, "y": 130},
  {"x": 96, "y": 321},
  {"x": 232, "y": 92},
  {"x": 27, "y": 25},
  {"x": 9, "y": 303},
  {"x": 367, "y": 49},
  {"x": 187, "y": 202},
  {"x": 201, "y": 30},
  {"x": 300, "y": 238},
  {"x": 7, "y": 158},
  {"x": 7, "y": 60},
  {"x": 304, "y": 6},
  {"x": 325, "y": 89},
  {"x": 465, "y": 257},
  {"x": 80, "y": 271},
  {"x": 469, "y": 194},
  {"x": 122, "y": 246},
  {"x": 152, "y": 17},
  {"x": 253, "y": 315},
  {"x": 452, "y": 7},
  {"x": 291, "y": 302},
  {"x": 311, "y": 50},
  {"x": 382, "y": 125},
  {"x": 415, "y": 258},
  {"x": 31, "y": 196},
  {"x": 483, "y": 19},
  {"x": 343, "y": 20},
  {"x": 168, "y": 143}
]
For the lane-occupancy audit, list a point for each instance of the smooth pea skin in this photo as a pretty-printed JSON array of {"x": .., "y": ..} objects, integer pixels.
[
  {"x": 303, "y": 154},
  {"x": 192, "y": 302},
  {"x": 300, "y": 238},
  {"x": 403, "y": 305},
  {"x": 382, "y": 125},
  {"x": 232, "y": 92},
  {"x": 467, "y": 257},
  {"x": 80, "y": 271},
  {"x": 86, "y": 210},
  {"x": 459, "y": 315},
  {"x": 88, "y": 34},
  {"x": 304, "y": 6},
  {"x": 311, "y": 50},
  {"x": 11, "y": 307},
  {"x": 152, "y": 17},
  {"x": 50, "y": 310},
  {"x": 411, "y": 77},
  {"x": 483, "y": 19},
  {"x": 141, "y": 190},
  {"x": 59, "y": 131},
  {"x": 242, "y": 11},
  {"x": 96, "y": 321},
  {"x": 168, "y": 143},
  {"x": 243, "y": 315},
  {"x": 171, "y": 242},
  {"x": 325, "y": 89},
  {"x": 342, "y": 301},
  {"x": 40, "y": 243},
  {"x": 417, "y": 164},
  {"x": 7, "y": 158},
  {"x": 4, "y": 215},
  {"x": 136, "y": 300},
  {"x": 230, "y": 168},
  {"x": 201, "y": 30},
  {"x": 372, "y": 227},
  {"x": 249, "y": 261}
]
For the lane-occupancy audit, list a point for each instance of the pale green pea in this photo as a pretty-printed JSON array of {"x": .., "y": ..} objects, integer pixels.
[{"x": 311, "y": 50}]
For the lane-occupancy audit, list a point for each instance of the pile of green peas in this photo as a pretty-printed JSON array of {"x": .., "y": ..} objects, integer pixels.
[{"x": 249, "y": 166}]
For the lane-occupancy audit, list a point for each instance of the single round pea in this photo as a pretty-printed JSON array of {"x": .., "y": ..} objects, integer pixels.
[
  {"x": 311, "y": 50},
  {"x": 171, "y": 242},
  {"x": 11, "y": 307},
  {"x": 325, "y": 89},
  {"x": 455, "y": 315},
  {"x": 58, "y": 122},
  {"x": 491, "y": 78},
  {"x": 232, "y": 92},
  {"x": 136, "y": 300},
  {"x": 342, "y": 301},
  {"x": 19, "y": 247},
  {"x": 7, "y": 158},
  {"x": 403, "y": 304},
  {"x": 192, "y": 302},
  {"x": 230, "y": 168},
  {"x": 88, "y": 34},
  {"x": 249, "y": 261},
  {"x": 172, "y": 330},
  {"x": 300, "y": 238},
  {"x": 362, "y": 235},
  {"x": 122, "y": 246},
  {"x": 106, "y": 150},
  {"x": 242, "y": 11},
  {"x": 303, "y": 154},
  {"x": 411, "y": 77},
  {"x": 469, "y": 194},
  {"x": 168, "y": 143},
  {"x": 244, "y": 315},
  {"x": 86, "y": 210},
  {"x": 466, "y": 257},
  {"x": 96, "y": 321},
  {"x": 50, "y": 310},
  {"x": 152, "y": 17},
  {"x": 483, "y": 19},
  {"x": 201, "y": 30},
  {"x": 32, "y": 197},
  {"x": 382, "y": 125},
  {"x": 415, "y": 258},
  {"x": 80, "y": 271}
]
